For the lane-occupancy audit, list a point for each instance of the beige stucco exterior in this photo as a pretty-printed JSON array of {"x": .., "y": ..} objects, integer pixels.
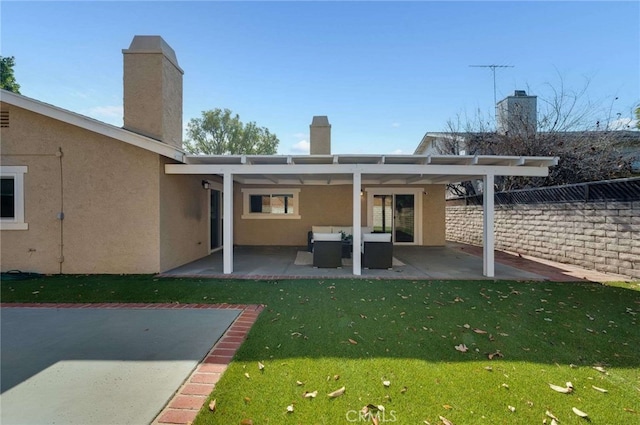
[
  {"x": 329, "y": 205},
  {"x": 184, "y": 218},
  {"x": 121, "y": 213}
]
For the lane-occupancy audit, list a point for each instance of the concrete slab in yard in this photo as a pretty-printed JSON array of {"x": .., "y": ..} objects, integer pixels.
[{"x": 97, "y": 365}]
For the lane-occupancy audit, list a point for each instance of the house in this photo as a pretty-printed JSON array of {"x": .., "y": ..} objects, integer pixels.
[
  {"x": 516, "y": 115},
  {"x": 81, "y": 196}
]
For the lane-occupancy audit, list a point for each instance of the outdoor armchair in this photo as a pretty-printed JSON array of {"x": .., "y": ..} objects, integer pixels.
[
  {"x": 377, "y": 251},
  {"x": 327, "y": 250}
]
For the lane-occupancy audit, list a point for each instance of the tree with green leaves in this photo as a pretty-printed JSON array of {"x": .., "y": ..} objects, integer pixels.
[
  {"x": 220, "y": 132},
  {"x": 638, "y": 116},
  {"x": 7, "y": 79}
]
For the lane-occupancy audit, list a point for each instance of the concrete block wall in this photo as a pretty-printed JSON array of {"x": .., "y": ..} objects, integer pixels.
[{"x": 598, "y": 236}]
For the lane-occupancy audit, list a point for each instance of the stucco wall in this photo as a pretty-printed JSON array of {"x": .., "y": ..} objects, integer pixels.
[
  {"x": 332, "y": 206},
  {"x": 597, "y": 236},
  {"x": 433, "y": 216},
  {"x": 319, "y": 205},
  {"x": 184, "y": 221},
  {"x": 110, "y": 192},
  {"x": 153, "y": 97}
]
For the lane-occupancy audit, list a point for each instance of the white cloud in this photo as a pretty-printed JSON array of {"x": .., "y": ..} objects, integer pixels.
[
  {"x": 623, "y": 124},
  {"x": 398, "y": 152},
  {"x": 395, "y": 124},
  {"x": 302, "y": 146}
]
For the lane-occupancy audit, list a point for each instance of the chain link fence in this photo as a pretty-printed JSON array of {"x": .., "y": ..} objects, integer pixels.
[{"x": 620, "y": 190}]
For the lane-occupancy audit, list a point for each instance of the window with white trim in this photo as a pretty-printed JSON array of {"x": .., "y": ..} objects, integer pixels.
[
  {"x": 279, "y": 203},
  {"x": 12, "y": 198}
]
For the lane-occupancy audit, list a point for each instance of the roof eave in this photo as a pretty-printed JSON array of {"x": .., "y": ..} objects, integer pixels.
[{"x": 92, "y": 125}]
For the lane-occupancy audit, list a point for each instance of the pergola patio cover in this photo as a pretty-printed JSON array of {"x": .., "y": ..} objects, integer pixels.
[{"x": 358, "y": 170}]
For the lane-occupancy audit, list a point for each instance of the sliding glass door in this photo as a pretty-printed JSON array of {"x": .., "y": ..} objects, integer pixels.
[{"x": 394, "y": 213}]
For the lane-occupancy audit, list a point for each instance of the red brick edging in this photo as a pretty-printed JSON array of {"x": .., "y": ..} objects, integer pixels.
[
  {"x": 187, "y": 401},
  {"x": 191, "y": 396}
]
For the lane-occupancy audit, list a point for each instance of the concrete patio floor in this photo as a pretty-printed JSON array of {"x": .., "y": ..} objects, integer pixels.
[{"x": 451, "y": 262}]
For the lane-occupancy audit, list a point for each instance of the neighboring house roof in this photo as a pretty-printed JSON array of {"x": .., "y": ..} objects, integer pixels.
[
  {"x": 628, "y": 140},
  {"x": 375, "y": 169},
  {"x": 91, "y": 124}
]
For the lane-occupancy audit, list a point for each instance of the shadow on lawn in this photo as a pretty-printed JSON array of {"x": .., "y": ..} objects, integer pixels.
[{"x": 579, "y": 323}]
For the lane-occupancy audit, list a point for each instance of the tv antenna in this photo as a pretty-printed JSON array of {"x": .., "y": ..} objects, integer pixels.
[{"x": 493, "y": 69}]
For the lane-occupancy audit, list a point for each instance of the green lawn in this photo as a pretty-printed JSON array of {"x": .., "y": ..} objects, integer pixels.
[{"x": 360, "y": 333}]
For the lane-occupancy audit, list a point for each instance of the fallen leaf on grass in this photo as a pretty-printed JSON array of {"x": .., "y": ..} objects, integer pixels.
[
  {"x": 246, "y": 375},
  {"x": 496, "y": 354},
  {"x": 403, "y": 390},
  {"x": 445, "y": 421},
  {"x": 212, "y": 405},
  {"x": 351, "y": 341},
  {"x": 602, "y": 390},
  {"x": 337, "y": 393},
  {"x": 551, "y": 415},
  {"x": 513, "y": 409},
  {"x": 462, "y": 348},
  {"x": 563, "y": 390},
  {"x": 247, "y": 400},
  {"x": 386, "y": 383},
  {"x": 308, "y": 394},
  {"x": 479, "y": 331},
  {"x": 246, "y": 422},
  {"x": 600, "y": 369},
  {"x": 260, "y": 366},
  {"x": 447, "y": 406},
  {"x": 290, "y": 408},
  {"x": 579, "y": 413},
  {"x": 299, "y": 383}
]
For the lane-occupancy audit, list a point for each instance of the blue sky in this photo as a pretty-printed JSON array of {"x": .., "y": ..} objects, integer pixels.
[{"x": 384, "y": 72}]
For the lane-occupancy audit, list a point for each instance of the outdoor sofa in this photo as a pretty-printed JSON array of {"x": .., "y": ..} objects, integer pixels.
[{"x": 346, "y": 230}]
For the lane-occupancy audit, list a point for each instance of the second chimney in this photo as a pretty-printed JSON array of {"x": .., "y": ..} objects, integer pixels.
[{"x": 320, "y": 136}]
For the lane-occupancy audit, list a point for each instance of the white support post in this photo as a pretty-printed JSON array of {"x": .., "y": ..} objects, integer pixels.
[
  {"x": 357, "y": 222},
  {"x": 227, "y": 232},
  {"x": 488, "y": 236}
]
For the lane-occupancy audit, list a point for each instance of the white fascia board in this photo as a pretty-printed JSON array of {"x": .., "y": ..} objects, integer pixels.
[
  {"x": 462, "y": 170},
  {"x": 92, "y": 125}
]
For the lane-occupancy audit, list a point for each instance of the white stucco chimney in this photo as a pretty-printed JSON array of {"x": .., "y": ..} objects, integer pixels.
[
  {"x": 320, "y": 136},
  {"x": 153, "y": 90}
]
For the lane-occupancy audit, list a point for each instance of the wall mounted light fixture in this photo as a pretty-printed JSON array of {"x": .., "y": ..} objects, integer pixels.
[{"x": 205, "y": 184}]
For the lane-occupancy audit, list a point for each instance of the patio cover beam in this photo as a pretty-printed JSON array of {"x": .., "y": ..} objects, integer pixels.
[{"x": 430, "y": 169}]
